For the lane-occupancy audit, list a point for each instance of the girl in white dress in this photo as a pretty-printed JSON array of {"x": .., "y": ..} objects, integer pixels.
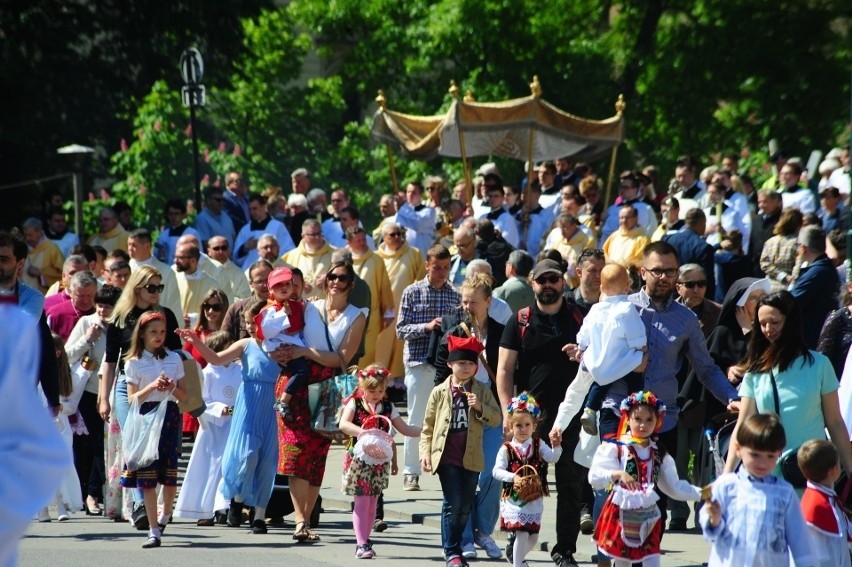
[
  {"x": 526, "y": 448},
  {"x": 198, "y": 494}
]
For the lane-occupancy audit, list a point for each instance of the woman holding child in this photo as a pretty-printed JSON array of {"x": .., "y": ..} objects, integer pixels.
[
  {"x": 302, "y": 451},
  {"x": 784, "y": 377}
]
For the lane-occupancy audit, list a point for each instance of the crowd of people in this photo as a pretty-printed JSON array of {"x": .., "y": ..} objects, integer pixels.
[{"x": 509, "y": 320}]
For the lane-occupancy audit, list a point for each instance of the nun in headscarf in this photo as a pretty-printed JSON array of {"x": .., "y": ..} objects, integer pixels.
[{"x": 726, "y": 344}]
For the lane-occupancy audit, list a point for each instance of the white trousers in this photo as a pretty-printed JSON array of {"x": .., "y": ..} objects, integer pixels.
[{"x": 419, "y": 381}]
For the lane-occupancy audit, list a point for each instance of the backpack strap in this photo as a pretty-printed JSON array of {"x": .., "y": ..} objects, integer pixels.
[{"x": 524, "y": 320}]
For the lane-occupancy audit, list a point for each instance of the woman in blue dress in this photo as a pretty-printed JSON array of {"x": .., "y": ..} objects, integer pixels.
[{"x": 251, "y": 452}]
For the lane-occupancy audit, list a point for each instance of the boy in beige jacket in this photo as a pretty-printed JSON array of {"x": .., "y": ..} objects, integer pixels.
[{"x": 451, "y": 440}]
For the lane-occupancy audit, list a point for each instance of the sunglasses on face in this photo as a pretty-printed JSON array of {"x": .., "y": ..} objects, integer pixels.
[
  {"x": 219, "y": 248},
  {"x": 154, "y": 288},
  {"x": 548, "y": 279},
  {"x": 342, "y": 278},
  {"x": 693, "y": 285},
  {"x": 213, "y": 306},
  {"x": 394, "y": 234}
]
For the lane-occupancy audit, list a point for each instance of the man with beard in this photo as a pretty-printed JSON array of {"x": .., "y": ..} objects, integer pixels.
[
  {"x": 537, "y": 353},
  {"x": 673, "y": 331},
  {"x": 193, "y": 283}
]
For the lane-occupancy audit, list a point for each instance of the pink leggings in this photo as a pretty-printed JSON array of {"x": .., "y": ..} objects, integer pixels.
[{"x": 363, "y": 516}]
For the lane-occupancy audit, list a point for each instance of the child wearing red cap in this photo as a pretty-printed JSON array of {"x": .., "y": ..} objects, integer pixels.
[
  {"x": 281, "y": 323},
  {"x": 451, "y": 440}
]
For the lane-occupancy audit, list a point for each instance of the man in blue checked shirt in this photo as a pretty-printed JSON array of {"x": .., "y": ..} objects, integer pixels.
[{"x": 422, "y": 306}]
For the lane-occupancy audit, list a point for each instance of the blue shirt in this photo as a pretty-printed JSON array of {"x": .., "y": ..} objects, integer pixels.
[
  {"x": 210, "y": 225},
  {"x": 673, "y": 332}
]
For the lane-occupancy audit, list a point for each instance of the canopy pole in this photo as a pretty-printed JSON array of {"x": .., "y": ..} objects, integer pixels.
[
  {"x": 468, "y": 181},
  {"x": 620, "y": 105},
  {"x": 535, "y": 91},
  {"x": 382, "y": 101}
]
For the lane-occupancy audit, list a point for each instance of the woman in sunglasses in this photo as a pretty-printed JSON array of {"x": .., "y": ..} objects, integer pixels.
[
  {"x": 140, "y": 295},
  {"x": 213, "y": 308},
  {"x": 302, "y": 452}
]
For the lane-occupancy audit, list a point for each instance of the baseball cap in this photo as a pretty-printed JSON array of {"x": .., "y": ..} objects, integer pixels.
[
  {"x": 546, "y": 267},
  {"x": 279, "y": 275}
]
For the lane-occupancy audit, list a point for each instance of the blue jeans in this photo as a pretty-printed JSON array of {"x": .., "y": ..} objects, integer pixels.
[
  {"x": 459, "y": 487},
  {"x": 121, "y": 407},
  {"x": 486, "y": 507}
]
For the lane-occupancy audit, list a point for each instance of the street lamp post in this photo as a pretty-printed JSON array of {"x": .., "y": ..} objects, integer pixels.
[
  {"x": 78, "y": 155},
  {"x": 193, "y": 96}
]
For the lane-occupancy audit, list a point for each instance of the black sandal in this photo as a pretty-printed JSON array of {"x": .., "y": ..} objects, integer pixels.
[
  {"x": 312, "y": 537},
  {"x": 301, "y": 534}
]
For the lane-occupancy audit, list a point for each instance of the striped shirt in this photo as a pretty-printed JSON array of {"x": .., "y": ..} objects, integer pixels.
[{"x": 420, "y": 304}]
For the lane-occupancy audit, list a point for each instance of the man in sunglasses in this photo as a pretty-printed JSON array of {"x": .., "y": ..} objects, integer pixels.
[
  {"x": 404, "y": 265},
  {"x": 537, "y": 353},
  {"x": 232, "y": 279},
  {"x": 213, "y": 220},
  {"x": 691, "y": 291},
  {"x": 691, "y": 248}
]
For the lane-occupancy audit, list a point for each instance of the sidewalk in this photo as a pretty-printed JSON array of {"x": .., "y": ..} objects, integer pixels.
[{"x": 424, "y": 507}]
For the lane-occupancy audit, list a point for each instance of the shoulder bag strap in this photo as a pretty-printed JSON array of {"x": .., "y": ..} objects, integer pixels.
[
  {"x": 328, "y": 340},
  {"x": 482, "y": 360},
  {"x": 775, "y": 394}
]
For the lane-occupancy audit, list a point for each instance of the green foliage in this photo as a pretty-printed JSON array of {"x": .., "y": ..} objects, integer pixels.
[{"x": 701, "y": 77}]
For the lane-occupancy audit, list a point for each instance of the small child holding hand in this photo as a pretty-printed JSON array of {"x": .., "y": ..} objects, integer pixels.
[{"x": 523, "y": 517}]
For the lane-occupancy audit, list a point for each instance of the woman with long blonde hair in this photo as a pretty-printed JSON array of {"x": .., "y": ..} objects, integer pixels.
[{"x": 141, "y": 294}]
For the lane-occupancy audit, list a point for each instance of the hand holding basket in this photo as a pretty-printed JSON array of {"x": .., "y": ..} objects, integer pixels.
[
  {"x": 527, "y": 484},
  {"x": 375, "y": 446}
]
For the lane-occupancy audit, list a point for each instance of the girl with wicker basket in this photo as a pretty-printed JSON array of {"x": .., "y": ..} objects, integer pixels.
[
  {"x": 630, "y": 528},
  {"x": 519, "y": 466},
  {"x": 367, "y": 418}
]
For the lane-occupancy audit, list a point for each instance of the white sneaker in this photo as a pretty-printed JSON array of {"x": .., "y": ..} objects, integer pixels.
[
  {"x": 468, "y": 551},
  {"x": 61, "y": 512},
  {"x": 487, "y": 543},
  {"x": 589, "y": 421},
  {"x": 43, "y": 515}
]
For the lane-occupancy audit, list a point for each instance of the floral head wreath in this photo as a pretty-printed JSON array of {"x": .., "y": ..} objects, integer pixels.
[
  {"x": 373, "y": 373},
  {"x": 644, "y": 398},
  {"x": 524, "y": 403}
]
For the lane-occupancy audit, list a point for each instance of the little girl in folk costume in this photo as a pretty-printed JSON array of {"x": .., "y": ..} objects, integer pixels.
[
  {"x": 365, "y": 474},
  {"x": 629, "y": 528},
  {"x": 518, "y": 514}
]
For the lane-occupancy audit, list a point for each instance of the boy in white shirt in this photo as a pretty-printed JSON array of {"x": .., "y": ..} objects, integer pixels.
[{"x": 613, "y": 342}]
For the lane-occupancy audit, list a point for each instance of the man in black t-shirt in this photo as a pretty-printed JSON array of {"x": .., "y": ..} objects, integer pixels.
[{"x": 537, "y": 353}]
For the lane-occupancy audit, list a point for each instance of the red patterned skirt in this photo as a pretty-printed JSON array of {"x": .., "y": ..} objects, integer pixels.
[
  {"x": 301, "y": 451},
  {"x": 609, "y": 530}
]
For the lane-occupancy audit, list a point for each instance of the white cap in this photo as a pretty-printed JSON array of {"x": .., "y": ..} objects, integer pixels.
[{"x": 763, "y": 284}]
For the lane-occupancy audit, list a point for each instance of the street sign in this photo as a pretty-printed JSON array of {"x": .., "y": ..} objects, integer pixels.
[
  {"x": 191, "y": 66},
  {"x": 194, "y": 96}
]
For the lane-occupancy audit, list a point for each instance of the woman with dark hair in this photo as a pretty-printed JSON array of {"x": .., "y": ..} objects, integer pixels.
[
  {"x": 836, "y": 335},
  {"x": 302, "y": 451},
  {"x": 784, "y": 377}
]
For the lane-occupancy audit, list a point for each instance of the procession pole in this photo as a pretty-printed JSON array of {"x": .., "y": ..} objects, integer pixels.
[
  {"x": 382, "y": 101},
  {"x": 620, "y": 105},
  {"x": 468, "y": 181}
]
